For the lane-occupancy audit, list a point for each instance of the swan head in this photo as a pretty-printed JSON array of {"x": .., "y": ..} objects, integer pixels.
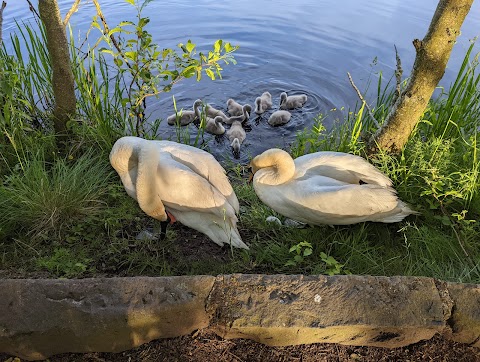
[
  {"x": 283, "y": 97},
  {"x": 273, "y": 167}
]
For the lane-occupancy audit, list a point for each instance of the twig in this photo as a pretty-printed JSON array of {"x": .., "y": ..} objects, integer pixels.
[
  {"x": 398, "y": 76},
  {"x": 72, "y": 10},
  {"x": 107, "y": 29},
  {"x": 33, "y": 10},
  {"x": 364, "y": 101},
  {"x": 4, "y": 4}
]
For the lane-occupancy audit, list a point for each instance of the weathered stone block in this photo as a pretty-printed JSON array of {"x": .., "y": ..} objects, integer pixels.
[
  {"x": 39, "y": 318},
  {"x": 354, "y": 310},
  {"x": 465, "y": 318}
]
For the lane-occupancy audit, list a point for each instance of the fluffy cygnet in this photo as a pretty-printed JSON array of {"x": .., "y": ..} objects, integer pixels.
[
  {"x": 291, "y": 102},
  {"x": 263, "y": 103},
  {"x": 279, "y": 118}
]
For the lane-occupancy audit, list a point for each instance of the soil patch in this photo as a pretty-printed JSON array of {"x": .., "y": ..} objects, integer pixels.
[{"x": 205, "y": 346}]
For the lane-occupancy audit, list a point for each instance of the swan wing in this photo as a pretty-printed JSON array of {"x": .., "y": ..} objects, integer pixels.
[
  {"x": 321, "y": 201},
  {"x": 341, "y": 166},
  {"x": 204, "y": 165}
]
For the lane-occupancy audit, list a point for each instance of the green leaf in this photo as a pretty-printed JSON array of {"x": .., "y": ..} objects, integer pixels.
[
  {"x": 124, "y": 23},
  {"x": 307, "y": 252},
  {"x": 131, "y": 55},
  {"x": 108, "y": 51},
  {"x": 190, "y": 46},
  {"x": 118, "y": 62},
  {"x": 189, "y": 71},
  {"x": 210, "y": 73},
  {"x": 298, "y": 258},
  {"x": 228, "y": 47},
  {"x": 143, "y": 22},
  {"x": 217, "y": 46}
]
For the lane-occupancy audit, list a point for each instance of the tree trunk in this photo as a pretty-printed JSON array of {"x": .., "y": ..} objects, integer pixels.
[
  {"x": 4, "y": 4},
  {"x": 62, "y": 75},
  {"x": 431, "y": 60}
]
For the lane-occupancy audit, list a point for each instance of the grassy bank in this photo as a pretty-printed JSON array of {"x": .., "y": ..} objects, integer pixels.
[{"x": 67, "y": 215}]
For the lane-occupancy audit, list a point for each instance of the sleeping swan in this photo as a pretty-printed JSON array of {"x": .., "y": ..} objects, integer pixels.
[
  {"x": 326, "y": 188},
  {"x": 170, "y": 179}
]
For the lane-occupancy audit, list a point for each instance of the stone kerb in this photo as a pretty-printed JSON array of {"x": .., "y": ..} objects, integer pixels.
[{"x": 42, "y": 317}]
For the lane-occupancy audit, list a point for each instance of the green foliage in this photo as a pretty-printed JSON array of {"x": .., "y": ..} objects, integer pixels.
[
  {"x": 148, "y": 70},
  {"x": 43, "y": 198},
  {"x": 333, "y": 267},
  {"x": 300, "y": 251},
  {"x": 64, "y": 264}
]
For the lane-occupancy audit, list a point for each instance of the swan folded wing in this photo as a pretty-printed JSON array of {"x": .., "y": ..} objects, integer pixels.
[
  {"x": 183, "y": 189},
  {"x": 341, "y": 201},
  {"x": 203, "y": 164},
  {"x": 344, "y": 167}
]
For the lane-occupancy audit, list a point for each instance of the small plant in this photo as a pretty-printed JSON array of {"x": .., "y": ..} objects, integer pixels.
[
  {"x": 300, "y": 251},
  {"x": 333, "y": 267},
  {"x": 63, "y": 264}
]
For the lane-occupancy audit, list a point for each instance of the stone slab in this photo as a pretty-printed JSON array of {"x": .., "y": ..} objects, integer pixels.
[
  {"x": 356, "y": 310},
  {"x": 40, "y": 318}
]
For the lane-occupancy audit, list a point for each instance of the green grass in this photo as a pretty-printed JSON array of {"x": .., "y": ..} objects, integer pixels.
[{"x": 69, "y": 216}]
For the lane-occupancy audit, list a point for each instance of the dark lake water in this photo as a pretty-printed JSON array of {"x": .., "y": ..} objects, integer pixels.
[{"x": 305, "y": 46}]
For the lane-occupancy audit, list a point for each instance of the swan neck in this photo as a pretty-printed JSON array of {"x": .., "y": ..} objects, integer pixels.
[{"x": 275, "y": 170}]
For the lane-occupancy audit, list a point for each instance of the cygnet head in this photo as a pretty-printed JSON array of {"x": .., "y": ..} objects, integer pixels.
[
  {"x": 236, "y": 146},
  {"x": 283, "y": 97}
]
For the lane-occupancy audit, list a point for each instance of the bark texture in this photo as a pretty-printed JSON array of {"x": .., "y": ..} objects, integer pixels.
[
  {"x": 4, "y": 4},
  {"x": 431, "y": 60},
  {"x": 62, "y": 75}
]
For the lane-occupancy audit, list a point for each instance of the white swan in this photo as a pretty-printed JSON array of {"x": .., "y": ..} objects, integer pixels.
[
  {"x": 291, "y": 102},
  {"x": 209, "y": 110},
  {"x": 181, "y": 181},
  {"x": 263, "y": 103},
  {"x": 236, "y": 134},
  {"x": 236, "y": 109},
  {"x": 326, "y": 188},
  {"x": 184, "y": 118},
  {"x": 279, "y": 118}
]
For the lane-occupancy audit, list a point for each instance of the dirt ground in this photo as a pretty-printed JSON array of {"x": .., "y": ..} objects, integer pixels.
[{"x": 206, "y": 346}]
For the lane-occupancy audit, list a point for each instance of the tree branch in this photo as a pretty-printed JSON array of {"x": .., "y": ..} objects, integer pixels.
[
  {"x": 72, "y": 10},
  {"x": 398, "y": 76},
  {"x": 364, "y": 101}
]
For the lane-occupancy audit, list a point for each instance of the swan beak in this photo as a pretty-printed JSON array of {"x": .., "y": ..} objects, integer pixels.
[{"x": 163, "y": 225}]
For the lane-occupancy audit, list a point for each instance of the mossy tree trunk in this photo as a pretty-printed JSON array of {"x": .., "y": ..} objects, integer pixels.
[
  {"x": 62, "y": 75},
  {"x": 431, "y": 60}
]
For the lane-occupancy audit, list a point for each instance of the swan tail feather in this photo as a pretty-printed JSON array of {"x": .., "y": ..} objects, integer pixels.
[{"x": 403, "y": 211}]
